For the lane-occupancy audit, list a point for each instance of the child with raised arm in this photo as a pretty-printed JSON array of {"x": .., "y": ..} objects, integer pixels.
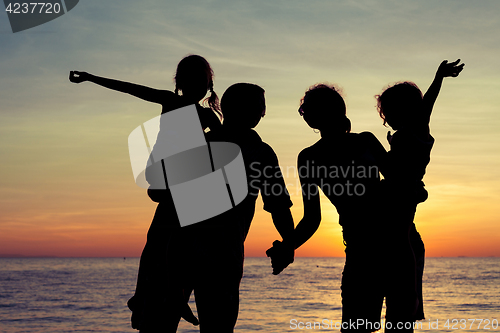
[
  {"x": 403, "y": 107},
  {"x": 193, "y": 78}
]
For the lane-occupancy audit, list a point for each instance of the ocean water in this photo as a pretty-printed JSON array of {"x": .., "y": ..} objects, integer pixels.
[{"x": 90, "y": 295}]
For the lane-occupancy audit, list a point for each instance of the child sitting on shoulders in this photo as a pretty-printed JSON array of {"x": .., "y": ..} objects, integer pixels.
[{"x": 408, "y": 112}]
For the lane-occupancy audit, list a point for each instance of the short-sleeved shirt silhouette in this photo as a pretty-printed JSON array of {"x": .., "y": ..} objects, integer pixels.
[{"x": 263, "y": 176}]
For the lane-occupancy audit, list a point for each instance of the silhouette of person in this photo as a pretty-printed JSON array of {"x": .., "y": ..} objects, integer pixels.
[
  {"x": 403, "y": 107},
  {"x": 345, "y": 166},
  {"x": 209, "y": 255},
  {"x": 193, "y": 78}
]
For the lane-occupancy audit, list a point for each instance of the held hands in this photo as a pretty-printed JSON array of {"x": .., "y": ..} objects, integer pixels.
[
  {"x": 78, "y": 77},
  {"x": 447, "y": 69},
  {"x": 281, "y": 255}
]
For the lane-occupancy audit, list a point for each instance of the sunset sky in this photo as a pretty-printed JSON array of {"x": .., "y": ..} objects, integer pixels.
[{"x": 66, "y": 186}]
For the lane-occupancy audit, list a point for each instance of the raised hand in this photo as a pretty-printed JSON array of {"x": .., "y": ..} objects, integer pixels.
[
  {"x": 447, "y": 69},
  {"x": 78, "y": 77},
  {"x": 281, "y": 256}
]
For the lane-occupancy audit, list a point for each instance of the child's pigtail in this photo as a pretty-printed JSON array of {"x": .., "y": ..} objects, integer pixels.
[{"x": 213, "y": 101}]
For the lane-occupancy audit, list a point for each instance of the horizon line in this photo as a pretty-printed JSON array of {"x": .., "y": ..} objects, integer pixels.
[{"x": 20, "y": 256}]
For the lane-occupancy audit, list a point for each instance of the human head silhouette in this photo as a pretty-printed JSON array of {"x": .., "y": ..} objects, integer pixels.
[
  {"x": 194, "y": 78},
  {"x": 399, "y": 104},
  {"x": 243, "y": 105},
  {"x": 323, "y": 108}
]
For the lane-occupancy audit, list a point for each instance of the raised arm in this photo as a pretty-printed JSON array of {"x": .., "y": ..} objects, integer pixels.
[
  {"x": 445, "y": 69},
  {"x": 142, "y": 92}
]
